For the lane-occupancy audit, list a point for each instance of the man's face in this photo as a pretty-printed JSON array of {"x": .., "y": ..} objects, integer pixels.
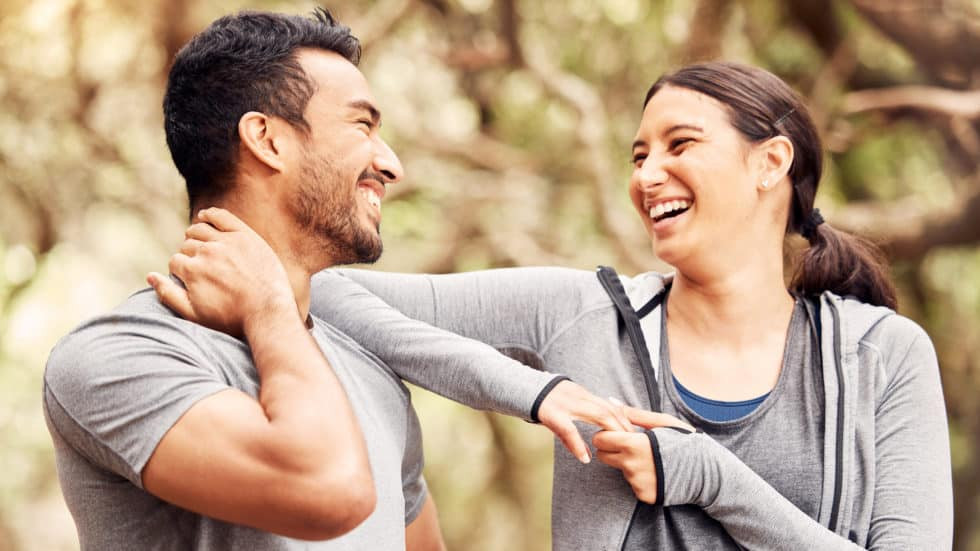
[{"x": 341, "y": 177}]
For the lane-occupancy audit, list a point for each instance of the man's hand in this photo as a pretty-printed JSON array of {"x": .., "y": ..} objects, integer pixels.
[
  {"x": 569, "y": 402},
  {"x": 231, "y": 276},
  {"x": 630, "y": 451}
]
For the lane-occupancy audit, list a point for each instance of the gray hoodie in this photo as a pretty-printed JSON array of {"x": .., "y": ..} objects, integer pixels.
[{"x": 886, "y": 464}]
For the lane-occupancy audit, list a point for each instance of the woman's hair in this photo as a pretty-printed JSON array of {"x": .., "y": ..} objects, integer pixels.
[{"x": 762, "y": 106}]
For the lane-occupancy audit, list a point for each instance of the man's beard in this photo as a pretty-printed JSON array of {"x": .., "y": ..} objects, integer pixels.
[{"x": 327, "y": 209}]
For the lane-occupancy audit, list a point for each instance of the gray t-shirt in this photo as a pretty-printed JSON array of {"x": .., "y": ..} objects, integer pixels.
[
  {"x": 116, "y": 384},
  {"x": 793, "y": 410}
]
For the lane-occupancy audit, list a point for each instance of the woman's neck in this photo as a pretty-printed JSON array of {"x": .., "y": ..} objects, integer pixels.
[{"x": 732, "y": 307}]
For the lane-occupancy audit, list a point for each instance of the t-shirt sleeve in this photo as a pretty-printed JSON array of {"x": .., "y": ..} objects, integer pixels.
[
  {"x": 413, "y": 482},
  {"x": 117, "y": 384}
]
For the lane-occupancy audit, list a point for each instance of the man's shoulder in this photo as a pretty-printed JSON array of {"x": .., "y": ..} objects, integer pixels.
[
  {"x": 139, "y": 315},
  {"x": 140, "y": 324}
]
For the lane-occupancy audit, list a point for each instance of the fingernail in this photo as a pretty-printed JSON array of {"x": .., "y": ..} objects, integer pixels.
[
  {"x": 584, "y": 458},
  {"x": 616, "y": 401}
]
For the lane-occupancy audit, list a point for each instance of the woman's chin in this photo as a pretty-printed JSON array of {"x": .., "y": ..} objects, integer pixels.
[{"x": 671, "y": 250}]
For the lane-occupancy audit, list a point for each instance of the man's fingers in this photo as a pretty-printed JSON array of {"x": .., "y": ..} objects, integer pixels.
[
  {"x": 202, "y": 231},
  {"x": 179, "y": 266},
  {"x": 171, "y": 295},
  {"x": 572, "y": 440},
  {"x": 222, "y": 219},
  {"x": 190, "y": 247}
]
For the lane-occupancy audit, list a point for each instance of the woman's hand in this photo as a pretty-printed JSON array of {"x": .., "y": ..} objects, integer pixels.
[
  {"x": 569, "y": 402},
  {"x": 630, "y": 451}
]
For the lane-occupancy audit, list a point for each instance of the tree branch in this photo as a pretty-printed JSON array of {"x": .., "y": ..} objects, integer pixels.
[
  {"x": 956, "y": 103},
  {"x": 945, "y": 44},
  {"x": 906, "y": 234},
  {"x": 591, "y": 134},
  {"x": 707, "y": 30},
  {"x": 380, "y": 20}
]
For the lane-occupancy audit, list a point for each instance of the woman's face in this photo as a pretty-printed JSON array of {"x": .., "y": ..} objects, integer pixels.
[{"x": 692, "y": 183}]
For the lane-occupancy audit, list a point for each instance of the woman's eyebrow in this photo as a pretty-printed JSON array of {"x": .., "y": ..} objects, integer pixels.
[
  {"x": 671, "y": 130},
  {"x": 677, "y": 127}
]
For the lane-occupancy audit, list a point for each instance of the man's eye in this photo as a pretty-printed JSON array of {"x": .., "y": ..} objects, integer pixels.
[{"x": 367, "y": 124}]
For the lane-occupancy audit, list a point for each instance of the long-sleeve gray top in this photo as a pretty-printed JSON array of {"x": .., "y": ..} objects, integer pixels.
[{"x": 886, "y": 468}]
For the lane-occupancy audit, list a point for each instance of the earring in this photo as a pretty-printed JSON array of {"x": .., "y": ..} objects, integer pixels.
[{"x": 765, "y": 184}]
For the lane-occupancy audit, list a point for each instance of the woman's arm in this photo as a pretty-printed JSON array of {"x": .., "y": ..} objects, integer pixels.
[
  {"x": 462, "y": 369},
  {"x": 912, "y": 488},
  {"x": 458, "y": 368},
  {"x": 516, "y": 310}
]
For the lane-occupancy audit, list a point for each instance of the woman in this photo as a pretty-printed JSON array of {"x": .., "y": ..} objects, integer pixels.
[{"x": 820, "y": 413}]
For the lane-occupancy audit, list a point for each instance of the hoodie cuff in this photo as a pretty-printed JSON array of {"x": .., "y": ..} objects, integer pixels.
[
  {"x": 544, "y": 394},
  {"x": 680, "y": 458}
]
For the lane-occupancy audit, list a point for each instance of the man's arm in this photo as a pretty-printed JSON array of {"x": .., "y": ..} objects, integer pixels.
[
  {"x": 424, "y": 534},
  {"x": 294, "y": 462}
]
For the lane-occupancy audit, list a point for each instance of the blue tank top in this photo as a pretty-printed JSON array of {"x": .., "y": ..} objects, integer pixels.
[{"x": 717, "y": 410}]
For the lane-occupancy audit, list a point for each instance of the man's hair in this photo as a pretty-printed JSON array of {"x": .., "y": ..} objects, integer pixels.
[{"x": 241, "y": 63}]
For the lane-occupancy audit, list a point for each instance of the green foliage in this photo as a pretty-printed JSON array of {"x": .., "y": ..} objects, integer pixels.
[{"x": 514, "y": 156}]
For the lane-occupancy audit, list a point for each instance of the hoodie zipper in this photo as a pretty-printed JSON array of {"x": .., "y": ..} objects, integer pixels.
[
  {"x": 838, "y": 467},
  {"x": 610, "y": 282}
]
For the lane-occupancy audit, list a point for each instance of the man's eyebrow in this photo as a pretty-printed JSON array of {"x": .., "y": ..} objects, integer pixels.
[{"x": 365, "y": 105}]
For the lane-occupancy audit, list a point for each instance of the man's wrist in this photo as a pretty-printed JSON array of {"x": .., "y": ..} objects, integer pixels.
[{"x": 272, "y": 315}]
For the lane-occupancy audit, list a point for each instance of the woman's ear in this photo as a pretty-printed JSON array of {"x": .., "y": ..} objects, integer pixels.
[
  {"x": 259, "y": 136},
  {"x": 774, "y": 157}
]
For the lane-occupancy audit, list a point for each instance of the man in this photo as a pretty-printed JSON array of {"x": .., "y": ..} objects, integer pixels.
[{"x": 242, "y": 421}]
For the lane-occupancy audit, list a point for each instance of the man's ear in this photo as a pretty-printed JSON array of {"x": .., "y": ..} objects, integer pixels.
[
  {"x": 775, "y": 157},
  {"x": 262, "y": 136}
]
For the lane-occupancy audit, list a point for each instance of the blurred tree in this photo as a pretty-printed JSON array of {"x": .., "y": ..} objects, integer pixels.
[{"x": 513, "y": 119}]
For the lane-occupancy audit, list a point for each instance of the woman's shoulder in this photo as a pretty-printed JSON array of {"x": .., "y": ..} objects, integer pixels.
[
  {"x": 898, "y": 342},
  {"x": 868, "y": 323}
]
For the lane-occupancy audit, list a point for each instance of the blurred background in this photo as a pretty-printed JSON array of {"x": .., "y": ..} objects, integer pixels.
[{"x": 514, "y": 120}]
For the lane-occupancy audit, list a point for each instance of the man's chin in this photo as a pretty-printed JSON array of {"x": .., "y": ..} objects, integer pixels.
[
  {"x": 366, "y": 250},
  {"x": 370, "y": 257}
]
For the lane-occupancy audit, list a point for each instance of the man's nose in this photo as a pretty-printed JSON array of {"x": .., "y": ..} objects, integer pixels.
[{"x": 387, "y": 164}]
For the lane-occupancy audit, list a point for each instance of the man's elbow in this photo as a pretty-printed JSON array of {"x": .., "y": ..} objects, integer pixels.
[{"x": 336, "y": 504}]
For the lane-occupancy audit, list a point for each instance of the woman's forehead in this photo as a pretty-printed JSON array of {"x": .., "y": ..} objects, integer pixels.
[{"x": 672, "y": 106}]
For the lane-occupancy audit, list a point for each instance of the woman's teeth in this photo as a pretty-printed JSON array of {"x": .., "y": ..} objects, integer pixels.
[{"x": 668, "y": 207}]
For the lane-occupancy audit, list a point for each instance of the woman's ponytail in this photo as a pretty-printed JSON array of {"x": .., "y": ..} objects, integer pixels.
[{"x": 845, "y": 264}]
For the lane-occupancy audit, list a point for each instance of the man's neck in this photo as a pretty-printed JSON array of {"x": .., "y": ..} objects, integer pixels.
[{"x": 274, "y": 229}]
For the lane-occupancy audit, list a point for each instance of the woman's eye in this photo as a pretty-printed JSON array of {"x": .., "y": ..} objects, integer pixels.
[
  {"x": 679, "y": 143},
  {"x": 638, "y": 159}
]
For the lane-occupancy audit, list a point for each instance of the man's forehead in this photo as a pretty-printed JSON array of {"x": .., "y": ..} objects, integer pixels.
[{"x": 335, "y": 76}]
